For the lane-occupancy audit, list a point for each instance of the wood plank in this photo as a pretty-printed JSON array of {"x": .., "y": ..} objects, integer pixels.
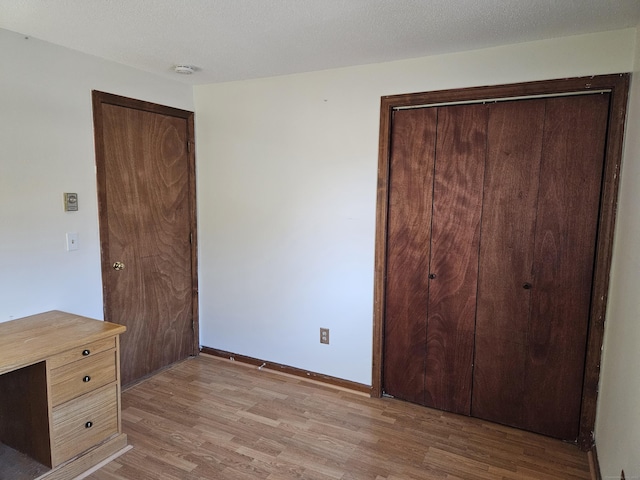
[
  {"x": 568, "y": 205},
  {"x": 409, "y": 230},
  {"x": 514, "y": 151},
  {"x": 191, "y": 421},
  {"x": 589, "y": 83},
  {"x": 606, "y": 223},
  {"x": 380, "y": 267},
  {"x": 455, "y": 238}
]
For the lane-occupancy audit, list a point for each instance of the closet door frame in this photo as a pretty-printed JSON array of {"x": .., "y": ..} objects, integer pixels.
[{"x": 617, "y": 85}]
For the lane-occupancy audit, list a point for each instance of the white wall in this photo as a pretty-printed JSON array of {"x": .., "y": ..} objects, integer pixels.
[
  {"x": 618, "y": 421},
  {"x": 287, "y": 185},
  {"x": 46, "y": 148}
]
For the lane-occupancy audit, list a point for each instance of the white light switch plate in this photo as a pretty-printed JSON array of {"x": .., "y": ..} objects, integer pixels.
[{"x": 72, "y": 241}]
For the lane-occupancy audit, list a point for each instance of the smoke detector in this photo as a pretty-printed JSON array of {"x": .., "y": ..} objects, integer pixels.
[{"x": 184, "y": 69}]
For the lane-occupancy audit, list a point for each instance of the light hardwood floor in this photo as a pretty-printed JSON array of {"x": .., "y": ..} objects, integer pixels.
[{"x": 208, "y": 418}]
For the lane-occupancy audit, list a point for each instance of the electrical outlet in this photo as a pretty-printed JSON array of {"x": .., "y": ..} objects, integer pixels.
[{"x": 324, "y": 335}]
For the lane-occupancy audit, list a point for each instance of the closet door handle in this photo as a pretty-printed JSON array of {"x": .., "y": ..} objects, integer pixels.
[
  {"x": 527, "y": 286},
  {"x": 432, "y": 276}
]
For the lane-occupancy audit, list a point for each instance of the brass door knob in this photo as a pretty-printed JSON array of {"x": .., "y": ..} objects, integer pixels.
[{"x": 118, "y": 266}]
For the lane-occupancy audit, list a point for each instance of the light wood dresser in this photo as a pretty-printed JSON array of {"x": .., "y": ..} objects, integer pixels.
[{"x": 59, "y": 395}]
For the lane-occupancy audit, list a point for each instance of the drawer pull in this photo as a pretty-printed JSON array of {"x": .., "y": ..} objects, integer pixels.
[
  {"x": 88, "y": 425},
  {"x": 86, "y": 378},
  {"x": 86, "y": 353}
]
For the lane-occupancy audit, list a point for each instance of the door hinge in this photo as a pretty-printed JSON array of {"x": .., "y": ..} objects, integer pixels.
[
  {"x": 191, "y": 238},
  {"x": 189, "y": 147}
]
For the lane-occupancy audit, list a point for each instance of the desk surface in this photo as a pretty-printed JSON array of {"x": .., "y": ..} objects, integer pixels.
[{"x": 29, "y": 340}]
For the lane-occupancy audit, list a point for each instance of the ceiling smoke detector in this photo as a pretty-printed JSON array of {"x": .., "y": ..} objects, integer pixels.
[{"x": 184, "y": 69}]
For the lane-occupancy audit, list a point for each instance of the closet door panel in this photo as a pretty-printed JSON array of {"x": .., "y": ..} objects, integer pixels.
[
  {"x": 568, "y": 206},
  {"x": 514, "y": 148},
  {"x": 408, "y": 248},
  {"x": 455, "y": 235}
]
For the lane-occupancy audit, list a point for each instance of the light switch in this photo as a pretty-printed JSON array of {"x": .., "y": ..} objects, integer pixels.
[{"x": 72, "y": 241}]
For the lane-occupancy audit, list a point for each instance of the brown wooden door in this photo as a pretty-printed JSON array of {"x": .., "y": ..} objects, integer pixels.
[
  {"x": 147, "y": 222},
  {"x": 435, "y": 202},
  {"x": 542, "y": 194}
]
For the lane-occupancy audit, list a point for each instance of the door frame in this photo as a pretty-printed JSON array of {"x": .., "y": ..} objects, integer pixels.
[
  {"x": 618, "y": 86},
  {"x": 99, "y": 98}
]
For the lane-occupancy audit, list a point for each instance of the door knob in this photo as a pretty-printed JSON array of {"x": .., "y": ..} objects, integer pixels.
[
  {"x": 432, "y": 276},
  {"x": 527, "y": 286},
  {"x": 118, "y": 266}
]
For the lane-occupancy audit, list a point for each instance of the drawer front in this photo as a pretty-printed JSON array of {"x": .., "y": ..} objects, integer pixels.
[
  {"x": 78, "y": 378},
  {"x": 82, "y": 352},
  {"x": 84, "y": 422}
]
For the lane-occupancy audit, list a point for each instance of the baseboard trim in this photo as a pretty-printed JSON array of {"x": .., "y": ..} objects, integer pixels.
[
  {"x": 594, "y": 465},
  {"x": 297, "y": 372}
]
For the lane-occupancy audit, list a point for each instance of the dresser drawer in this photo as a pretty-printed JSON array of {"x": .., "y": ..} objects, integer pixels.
[
  {"x": 84, "y": 422},
  {"x": 83, "y": 351},
  {"x": 78, "y": 378}
]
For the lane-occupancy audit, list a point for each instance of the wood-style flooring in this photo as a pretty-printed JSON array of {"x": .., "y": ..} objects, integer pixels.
[{"x": 208, "y": 418}]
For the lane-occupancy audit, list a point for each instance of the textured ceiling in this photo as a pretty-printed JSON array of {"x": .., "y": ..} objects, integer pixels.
[{"x": 239, "y": 39}]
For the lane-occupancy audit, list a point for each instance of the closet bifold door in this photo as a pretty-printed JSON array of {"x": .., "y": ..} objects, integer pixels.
[
  {"x": 514, "y": 149},
  {"x": 408, "y": 231},
  {"x": 453, "y": 270},
  {"x": 566, "y": 228},
  {"x": 540, "y": 214},
  {"x": 433, "y": 232}
]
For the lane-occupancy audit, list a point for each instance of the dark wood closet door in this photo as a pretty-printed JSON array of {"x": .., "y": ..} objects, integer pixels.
[
  {"x": 432, "y": 265},
  {"x": 409, "y": 231},
  {"x": 455, "y": 237},
  {"x": 506, "y": 256},
  {"x": 539, "y": 226},
  {"x": 564, "y": 253}
]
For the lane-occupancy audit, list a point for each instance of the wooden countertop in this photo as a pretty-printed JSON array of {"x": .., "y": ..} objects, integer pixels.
[{"x": 29, "y": 340}]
